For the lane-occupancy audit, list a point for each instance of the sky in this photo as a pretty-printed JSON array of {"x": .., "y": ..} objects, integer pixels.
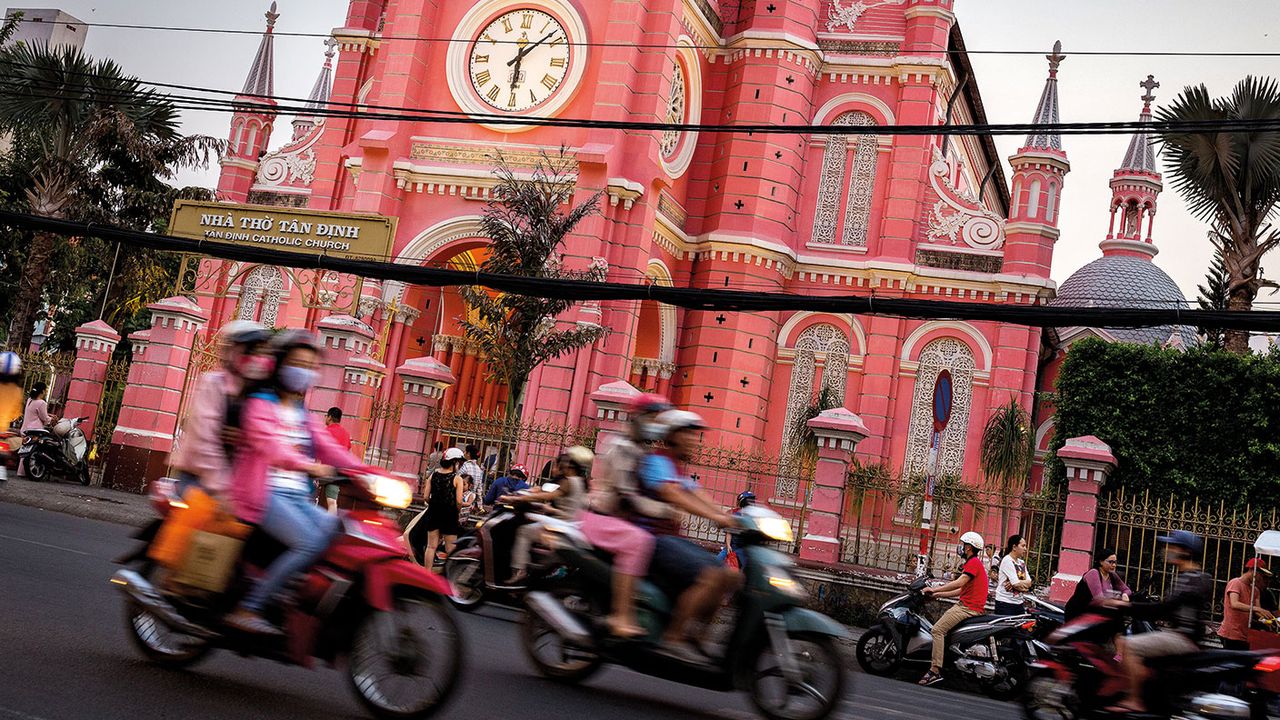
[{"x": 1091, "y": 88}]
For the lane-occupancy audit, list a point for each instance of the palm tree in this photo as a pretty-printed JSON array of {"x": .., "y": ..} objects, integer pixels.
[
  {"x": 94, "y": 145},
  {"x": 1230, "y": 179},
  {"x": 1007, "y": 451}
]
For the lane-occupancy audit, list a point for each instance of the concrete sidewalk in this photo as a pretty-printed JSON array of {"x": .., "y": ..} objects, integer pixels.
[{"x": 94, "y": 503}]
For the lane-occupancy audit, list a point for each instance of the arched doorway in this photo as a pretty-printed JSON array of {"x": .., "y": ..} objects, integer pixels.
[{"x": 654, "y": 351}]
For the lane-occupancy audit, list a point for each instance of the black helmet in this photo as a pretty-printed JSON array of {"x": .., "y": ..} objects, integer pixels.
[{"x": 745, "y": 498}]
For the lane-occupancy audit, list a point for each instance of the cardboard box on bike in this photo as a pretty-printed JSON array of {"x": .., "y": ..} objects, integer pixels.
[
  {"x": 200, "y": 542},
  {"x": 210, "y": 561}
]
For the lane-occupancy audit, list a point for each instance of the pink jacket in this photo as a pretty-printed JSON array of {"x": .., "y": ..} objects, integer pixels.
[
  {"x": 262, "y": 447},
  {"x": 199, "y": 450}
]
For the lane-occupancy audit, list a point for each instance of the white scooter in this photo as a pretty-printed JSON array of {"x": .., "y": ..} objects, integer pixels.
[{"x": 58, "y": 450}]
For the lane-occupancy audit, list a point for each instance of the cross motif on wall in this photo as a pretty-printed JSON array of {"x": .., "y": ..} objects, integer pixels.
[
  {"x": 421, "y": 341},
  {"x": 790, "y": 79},
  {"x": 739, "y": 204},
  {"x": 771, "y": 8},
  {"x": 720, "y": 319},
  {"x": 708, "y": 397},
  {"x": 744, "y": 382}
]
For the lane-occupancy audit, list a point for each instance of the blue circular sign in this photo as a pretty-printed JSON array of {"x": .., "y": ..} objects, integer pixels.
[{"x": 942, "y": 401}]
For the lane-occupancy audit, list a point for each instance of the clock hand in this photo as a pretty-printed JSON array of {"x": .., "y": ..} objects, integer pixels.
[
  {"x": 515, "y": 73},
  {"x": 526, "y": 51}
]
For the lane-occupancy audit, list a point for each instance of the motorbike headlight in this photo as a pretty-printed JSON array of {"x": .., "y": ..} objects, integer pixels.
[
  {"x": 389, "y": 492},
  {"x": 782, "y": 580},
  {"x": 775, "y": 528}
]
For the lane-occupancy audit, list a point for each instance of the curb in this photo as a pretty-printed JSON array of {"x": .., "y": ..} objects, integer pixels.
[{"x": 93, "y": 503}]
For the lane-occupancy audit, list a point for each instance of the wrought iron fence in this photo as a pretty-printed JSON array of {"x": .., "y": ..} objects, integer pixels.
[
  {"x": 725, "y": 472},
  {"x": 502, "y": 442},
  {"x": 1130, "y": 523},
  {"x": 384, "y": 421},
  {"x": 104, "y": 421},
  {"x": 883, "y": 512},
  {"x": 52, "y": 369}
]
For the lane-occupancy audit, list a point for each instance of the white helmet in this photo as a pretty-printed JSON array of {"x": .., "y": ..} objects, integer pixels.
[
  {"x": 453, "y": 453},
  {"x": 972, "y": 539},
  {"x": 10, "y": 364},
  {"x": 673, "y": 420}
]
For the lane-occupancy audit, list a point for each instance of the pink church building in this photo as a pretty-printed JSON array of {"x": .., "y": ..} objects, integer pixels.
[{"x": 919, "y": 216}]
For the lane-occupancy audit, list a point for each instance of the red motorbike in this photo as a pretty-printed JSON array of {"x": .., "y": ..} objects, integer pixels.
[{"x": 364, "y": 606}]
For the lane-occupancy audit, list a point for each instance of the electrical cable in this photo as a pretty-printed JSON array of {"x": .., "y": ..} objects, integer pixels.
[{"x": 687, "y": 297}]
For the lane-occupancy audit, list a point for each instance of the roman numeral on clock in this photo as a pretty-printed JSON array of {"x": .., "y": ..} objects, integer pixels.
[
  {"x": 559, "y": 62},
  {"x": 511, "y": 101},
  {"x": 526, "y": 21},
  {"x": 482, "y": 59},
  {"x": 506, "y": 24},
  {"x": 493, "y": 93},
  {"x": 533, "y": 97},
  {"x": 483, "y": 77},
  {"x": 549, "y": 81},
  {"x": 557, "y": 40}
]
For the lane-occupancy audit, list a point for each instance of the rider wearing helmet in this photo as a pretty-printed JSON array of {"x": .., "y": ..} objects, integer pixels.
[
  {"x": 10, "y": 401},
  {"x": 746, "y": 498},
  {"x": 567, "y": 498},
  {"x": 1185, "y": 611},
  {"x": 971, "y": 589},
  {"x": 679, "y": 565},
  {"x": 516, "y": 479},
  {"x": 200, "y": 457},
  {"x": 282, "y": 448}
]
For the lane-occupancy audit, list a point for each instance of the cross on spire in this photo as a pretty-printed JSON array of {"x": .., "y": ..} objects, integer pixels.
[
  {"x": 1149, "y": 84},
  {"x": 329, "y": 44}
]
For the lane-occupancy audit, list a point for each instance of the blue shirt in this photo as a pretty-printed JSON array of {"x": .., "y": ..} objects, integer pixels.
[
  {"x": 653, "y": 472},
  {"x": 504, "y": 485}
]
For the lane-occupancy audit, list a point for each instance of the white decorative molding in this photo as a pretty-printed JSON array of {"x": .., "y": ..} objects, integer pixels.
[
  {"x": 848, "y": 15},
  {"x": 820, "y": 341},
  {"x": 960, "y": 215},
  {"x": 296, "y": 164},
  {"x": 430, "y": 241},
  {"x": 624, "y": 191},
  {"x": 945, "y": 353},
  {"x": 954, "y": 327},
  {"x": 859, "y": 181},
  {"x": 676, "y": 147}
]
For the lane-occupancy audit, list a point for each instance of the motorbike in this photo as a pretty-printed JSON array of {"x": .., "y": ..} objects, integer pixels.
[
  {"x": 10, "y": 443},
  {"x": 1082, "y": 677},
  {"x": 989, "y": 651},
  {"x": 364, "y": 605},
  {"x": 480, "y": 563},
  {"x": 59, "y": 450},
  {"x": 782, "y": 655}
]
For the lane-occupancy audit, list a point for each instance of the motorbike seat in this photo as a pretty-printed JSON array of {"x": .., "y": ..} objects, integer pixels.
[
  {"x": 1204, "y": 658},
  {"x": 975, "y": 620},
  {"x": 38, "y": 432}
]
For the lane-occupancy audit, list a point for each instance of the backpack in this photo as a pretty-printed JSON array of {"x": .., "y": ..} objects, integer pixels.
[{"x": 615, "y": 489}]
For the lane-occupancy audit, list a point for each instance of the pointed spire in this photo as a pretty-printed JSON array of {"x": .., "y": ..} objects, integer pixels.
[
  {"x": 1141, "y": 156},
  {"x": 319, "y": 96},
  {"x": 261, "y": 80},
  {"x": 1047, "y": 110}
]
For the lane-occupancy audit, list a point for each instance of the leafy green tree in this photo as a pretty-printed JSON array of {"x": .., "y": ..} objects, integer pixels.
[
  {"x": 1214, "y": 296},
  {"x": 87, "y": 142},
  {"x": 805, "y": 452},
  {"x": 527, "y": 221},
  {"x": 1008, "y": 448},
  {"x": 1230, "y": 179}
]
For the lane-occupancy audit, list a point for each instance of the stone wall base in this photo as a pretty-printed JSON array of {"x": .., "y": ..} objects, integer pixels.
[{"x": 131, "y": 468}]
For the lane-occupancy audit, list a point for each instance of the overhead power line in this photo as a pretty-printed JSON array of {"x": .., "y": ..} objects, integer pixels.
[
  {"x": 11, "y": 86},
  {"x": 687, "y": 297},
  {"x": 651, "y": 46}
]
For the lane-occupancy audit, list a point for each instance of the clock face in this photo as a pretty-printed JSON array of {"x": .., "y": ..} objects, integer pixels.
[{"x": 520, "y": 60}]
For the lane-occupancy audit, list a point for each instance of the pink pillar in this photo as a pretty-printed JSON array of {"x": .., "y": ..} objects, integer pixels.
[
  {"x": 838, "y": 431},
  {"x": 1089, "y": 461},
  {"x": 424, "y": 380},
  {"x": 95, "y": 342},
  {"x": 349, "y": 378},
  {"x": 148, "y": 420},
  {"x": 611, "y": 401}
]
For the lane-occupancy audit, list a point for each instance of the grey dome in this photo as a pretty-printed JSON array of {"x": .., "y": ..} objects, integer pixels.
[{"x": 1124, "y": 281}]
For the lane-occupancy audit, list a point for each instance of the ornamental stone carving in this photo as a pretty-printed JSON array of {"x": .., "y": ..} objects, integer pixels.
[
  {"x": 959, "y": 216},
  {"x": 292, "y": 164},
  {"x": 820, "y": 342},
  {"x": 953, "y": 355},
  {"x": 846, "y": 16},
  {"x": 260, "y": 295},
  {"x": 860, "y": 184}
]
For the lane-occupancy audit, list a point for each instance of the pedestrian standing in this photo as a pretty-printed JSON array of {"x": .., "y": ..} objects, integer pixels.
[
  {"x": 1012, "y": 579},
  {"x": 1244, "y": 595},
  {"x": 333, "y": 426},
  {"x": 473, "y": 475}
]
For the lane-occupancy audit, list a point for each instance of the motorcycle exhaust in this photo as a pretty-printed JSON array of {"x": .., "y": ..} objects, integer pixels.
[
  {"x": 560, "y": 619},
  {"x": 144, "y": 593}
]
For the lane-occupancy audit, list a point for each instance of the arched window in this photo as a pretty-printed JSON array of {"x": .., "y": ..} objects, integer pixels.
[
  {"x": 237, "y": 139},
  {"x": 1033, "y": 200},
  {"x": 857, "y": 174},
  {"x": 249, "y": 144},
  {"x": 260, "y": 295},
  {"x": 1051, "y": 202},
  {"x": 825, "y": 343},
  {"x": 942, "y": 354}
]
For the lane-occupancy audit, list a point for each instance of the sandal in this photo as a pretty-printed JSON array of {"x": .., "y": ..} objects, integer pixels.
[{"x": 930, "y": 678}]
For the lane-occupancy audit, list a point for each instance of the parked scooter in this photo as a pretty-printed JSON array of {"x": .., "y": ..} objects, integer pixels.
[
  {"x": 990, "y": 651},
  {"x": 365, "y": 606},
  {"x": 783, "y": 655},
  {"x": 60, "y": 450},
  {"x": 1082, "y": 677}
]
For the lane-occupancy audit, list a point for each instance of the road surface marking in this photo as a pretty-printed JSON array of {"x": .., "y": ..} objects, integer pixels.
[
  {"x": 54, "y": 547},
  {"x": 7, "y": 712}
]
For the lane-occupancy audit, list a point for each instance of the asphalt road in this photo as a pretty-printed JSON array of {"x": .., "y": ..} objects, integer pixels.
[{"x": 64, "y": 654}]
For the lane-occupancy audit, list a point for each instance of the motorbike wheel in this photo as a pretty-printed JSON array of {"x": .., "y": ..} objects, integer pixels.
[
  {"x": 877, "y": 652},
  {"x": 814, "y": 695},
  {"x": 405, "y": 663},
  {"x": 1014, "y": 682},
  {"x": 466, "y": 576},
  {"x": 1045, "y": 697},
  {"x": 160, "y": 643},
  {"x": 551, "y": 657},
  {"x": 36, "y": 468}
]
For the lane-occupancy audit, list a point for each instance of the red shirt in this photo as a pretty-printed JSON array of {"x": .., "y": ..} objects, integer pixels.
[
  {"x": 974, "y": 593},
  {"x": 339, "y": 435},
  {"x": 1235, "y": 623}
]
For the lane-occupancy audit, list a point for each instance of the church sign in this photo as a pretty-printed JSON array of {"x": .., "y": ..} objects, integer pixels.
[{"x": 344, "y": 235}]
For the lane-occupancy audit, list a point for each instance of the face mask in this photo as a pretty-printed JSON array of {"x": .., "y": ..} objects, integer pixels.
[
  {"x": 256, "y": 367},
  {"x": 296, "y": 379}
]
